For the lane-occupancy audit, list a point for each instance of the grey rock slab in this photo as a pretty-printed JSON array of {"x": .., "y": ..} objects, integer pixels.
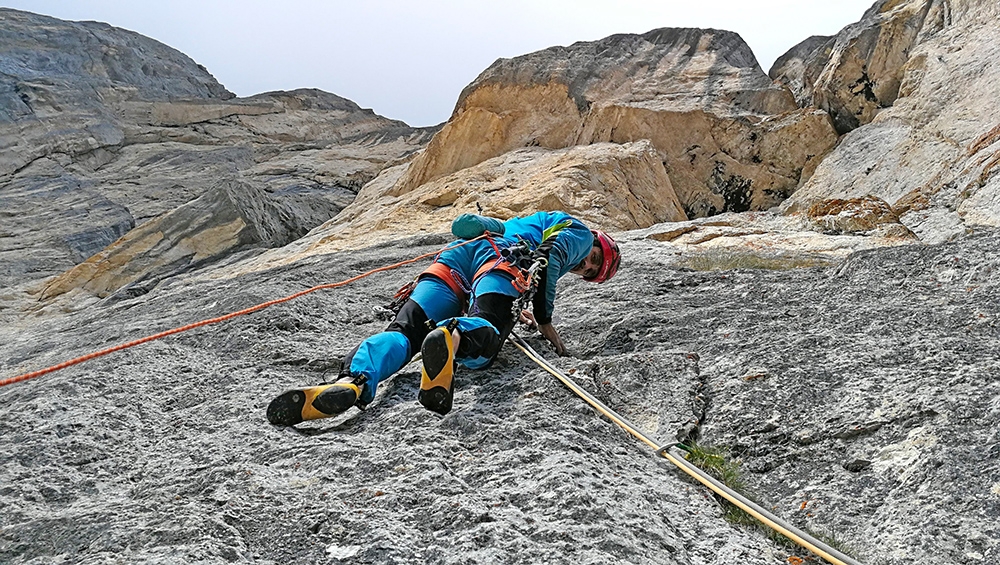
[
  {"x": 859, "y": 401},
  {"x": 229, "y": 218},
  {"x": 59, "y": 52},
  {"x": 162, "y": 452},
  {"x": 52, "y": 221},
  {"x": 873, "y": 413}
]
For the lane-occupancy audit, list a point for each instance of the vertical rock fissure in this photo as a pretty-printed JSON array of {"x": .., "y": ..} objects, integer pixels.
[{"x": 701, "y": 400}]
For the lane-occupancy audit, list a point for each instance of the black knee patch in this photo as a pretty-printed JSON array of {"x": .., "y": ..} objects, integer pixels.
[
  {"x": 412, "y": 323},
  {"x": 496, "y": 309},
  {"x": 480, "y": 342}
]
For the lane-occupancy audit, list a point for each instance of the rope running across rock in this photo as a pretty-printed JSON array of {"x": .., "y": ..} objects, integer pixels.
[
  {"x": 103, "y": 352},
  {"x": 674, "y": 455}
]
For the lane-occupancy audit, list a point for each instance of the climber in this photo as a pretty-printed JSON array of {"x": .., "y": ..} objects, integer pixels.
[{"x": 462, "y": 308}]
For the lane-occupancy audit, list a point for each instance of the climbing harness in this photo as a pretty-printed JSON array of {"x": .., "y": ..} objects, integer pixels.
[
  {"x": 101, "y": 353},
  {"x": 524, "y": 263},
  {"x": 521, "y": 261},
  {"x": 451, "y": 277},
  {"x": 454, "y": 279},
  {"x": 672, "y": 452}
]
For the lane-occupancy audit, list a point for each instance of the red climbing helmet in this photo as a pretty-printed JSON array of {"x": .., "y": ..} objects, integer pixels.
[{"x": 612, "y": 257}]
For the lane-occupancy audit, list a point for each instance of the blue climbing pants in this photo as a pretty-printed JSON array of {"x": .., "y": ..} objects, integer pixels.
[{"x": 433, "y": 303}]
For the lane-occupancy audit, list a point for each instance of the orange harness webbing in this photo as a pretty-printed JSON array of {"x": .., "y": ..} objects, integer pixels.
[
  {"x": 520, "y": 281},
  {"x": 448, "y": 275},
  {"x": 444, "y": 272}
]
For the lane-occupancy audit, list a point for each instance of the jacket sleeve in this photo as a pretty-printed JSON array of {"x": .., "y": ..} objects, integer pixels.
[{"x": 564, "y": 250}]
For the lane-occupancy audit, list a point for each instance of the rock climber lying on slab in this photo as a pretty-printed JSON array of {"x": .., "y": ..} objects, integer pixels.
[{"x": 462, "y": 308}]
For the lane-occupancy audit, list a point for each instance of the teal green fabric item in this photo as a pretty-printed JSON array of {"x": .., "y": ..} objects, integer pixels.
[{"x": 470, "y": 226}]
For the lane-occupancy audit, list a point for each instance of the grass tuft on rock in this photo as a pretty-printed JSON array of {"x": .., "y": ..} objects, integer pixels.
[
  {"x": 715, "y": 461},
  {"x": 726, "y": 260}
]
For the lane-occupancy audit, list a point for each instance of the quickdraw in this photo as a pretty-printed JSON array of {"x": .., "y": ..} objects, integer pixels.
[
  {"x": 389, "y": 311},
  {"x": 528, "y": 264}
]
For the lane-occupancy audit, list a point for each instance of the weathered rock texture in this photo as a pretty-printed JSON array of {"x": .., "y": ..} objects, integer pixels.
[
  {"x": 172, "y": 460},
  {"x": 860, "y": 399},
  {"x": 227, "y": 219},
  {"x": 856, "y": 73},
  {"x": 851, "y": 375},
  {"x": 932, "y": 146},
  {"x": 59, "y": 80},
  {"x": 609, "y": 186},
  {"x": 729, "y": 138},
  {"x": 857, "y": 215},
  {"x": 870, "y": 385},
  {"x": 772, "y": 241},
  {"x": 102, "y": 129}
]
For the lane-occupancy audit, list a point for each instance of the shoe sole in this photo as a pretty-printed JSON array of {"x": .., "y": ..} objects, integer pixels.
[
  {"x": 298, "y": 405},
  {"x": 437, "y": 372}
]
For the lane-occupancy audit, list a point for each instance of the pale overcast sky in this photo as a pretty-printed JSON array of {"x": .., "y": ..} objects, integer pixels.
[{"x": 409, "y": 59}]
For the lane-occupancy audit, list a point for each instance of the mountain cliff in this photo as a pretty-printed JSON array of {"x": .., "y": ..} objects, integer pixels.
[
  {"x": 104, "y": 129},
  {"x": 808, "y": 283},
  {"x": 915, "y": 84}
]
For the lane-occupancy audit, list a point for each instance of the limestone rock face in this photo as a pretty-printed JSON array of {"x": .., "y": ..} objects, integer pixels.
[
  {"x": 224, "y": 220},
  {"x": 50, "y": 220},
  {"x": 768, "y": 240},
  {"x": 58, "y": 77},
  {"x": 856, "y": 215},
  {"x": 609, "y": 186},
  {"x": 860, "y": 398},
  {"x": 102, "y": 129},
  {"x": 933, "y": 154},
  {"x": 850, "y": 372},
  {"x": 801, "y": 65},
  {"x": 306, "y": 145},
  {"x": 858, "y": 72},
  {"x": 729, "y": 138}
]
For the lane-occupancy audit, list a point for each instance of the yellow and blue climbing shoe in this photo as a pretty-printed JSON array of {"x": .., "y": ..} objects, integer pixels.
[
  {"x": 312, "y": 403},
  {"x": 438, "y": 353}
]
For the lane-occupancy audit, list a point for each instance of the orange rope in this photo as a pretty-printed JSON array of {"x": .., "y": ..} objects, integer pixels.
[{"x": 194, "y": 325}]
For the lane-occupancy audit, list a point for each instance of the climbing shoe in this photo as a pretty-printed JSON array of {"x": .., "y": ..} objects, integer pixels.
[
  {"x": 312, "y": 403},
  {"x": 438, "y": 353}
]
